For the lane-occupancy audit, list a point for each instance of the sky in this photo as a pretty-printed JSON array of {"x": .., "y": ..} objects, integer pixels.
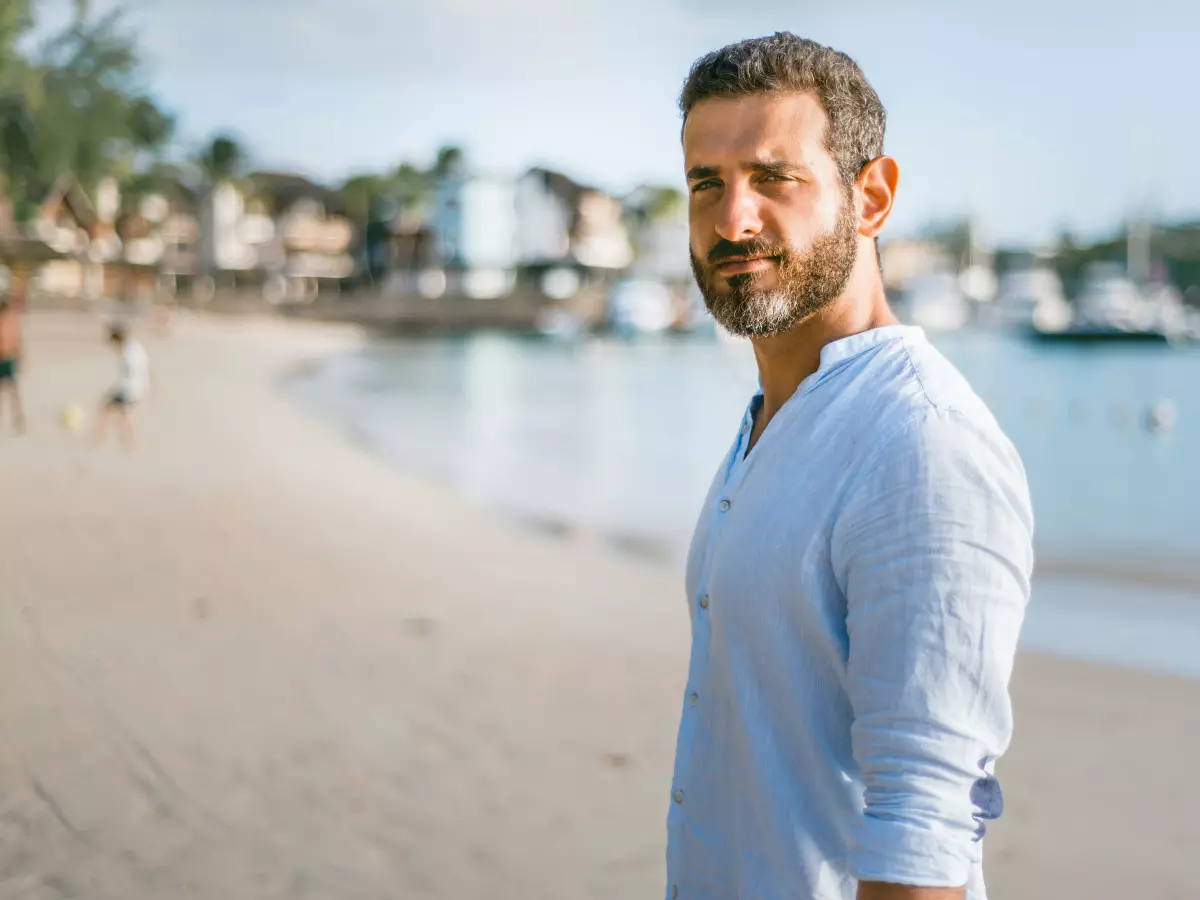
[{"x": 1031, "y": 117}]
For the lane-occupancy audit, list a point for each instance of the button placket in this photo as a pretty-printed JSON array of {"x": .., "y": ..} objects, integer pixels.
[{"x": 701, "y": 636}]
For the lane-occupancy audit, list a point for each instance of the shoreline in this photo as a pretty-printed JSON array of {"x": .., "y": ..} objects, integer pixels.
[
  {"x": 1146, "y": 570},
  {"x": 255, "y": 660}
]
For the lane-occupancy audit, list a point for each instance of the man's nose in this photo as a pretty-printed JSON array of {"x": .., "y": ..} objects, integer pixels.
[{"x": 739, "y": 218}]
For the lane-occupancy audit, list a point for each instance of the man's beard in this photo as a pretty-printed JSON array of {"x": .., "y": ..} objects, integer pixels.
[{"x": 806, "y": 281}]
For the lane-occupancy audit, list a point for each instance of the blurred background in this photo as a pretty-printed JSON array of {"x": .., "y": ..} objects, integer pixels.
[{"x": 395, "y": 568}]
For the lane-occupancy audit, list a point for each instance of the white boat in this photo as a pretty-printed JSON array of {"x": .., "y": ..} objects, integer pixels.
[
  {"x": 936, "y": 302},
  {"x": 1030, "y": 298},
  {"x": 640, "y": 306},
  {"x": 559, "y": 323},
  {"x": 1111, "y": 306},
  {"x": 1110, "y": 300},
  {"x": 1167, "y": 312}
]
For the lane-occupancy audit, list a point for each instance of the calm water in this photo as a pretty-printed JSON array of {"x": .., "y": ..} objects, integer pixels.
[{"x": 623, "y": 439}]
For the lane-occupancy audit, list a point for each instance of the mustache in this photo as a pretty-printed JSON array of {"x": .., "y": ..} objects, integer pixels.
[{"x": 724, "y": 249}]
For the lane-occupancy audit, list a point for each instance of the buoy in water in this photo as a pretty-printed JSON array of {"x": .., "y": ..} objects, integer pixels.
[{"x": 1162, "y": 416}]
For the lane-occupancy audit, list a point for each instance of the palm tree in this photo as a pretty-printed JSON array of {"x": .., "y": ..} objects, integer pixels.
[
  {"x": 18, "y": 100},
  {"x": 72, "y": 105},
  {"x": 450, "y": 161},
  {"x": 224, "y": 159}
]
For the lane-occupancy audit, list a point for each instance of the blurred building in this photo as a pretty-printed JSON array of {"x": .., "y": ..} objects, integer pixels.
[
  {"x": 69, "y": 226},
  {"x": 157, "y": 230},
  {"x": 475, "y": 230},
  {"x": 278, "y": 231},
  {"x": 569, "y": 236},
  {"x": 311, "y": 237},
  {"x": 179, "y": 266},
  {"x": 561, "y": 221},
  {"x": 658, "y": 221}
]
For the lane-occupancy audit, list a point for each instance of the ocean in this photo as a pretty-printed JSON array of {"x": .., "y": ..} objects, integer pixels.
[{"x": 621, "y": 439}]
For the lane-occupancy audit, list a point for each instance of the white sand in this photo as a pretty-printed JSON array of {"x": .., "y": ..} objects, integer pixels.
[{"x": 254, "y": 661}]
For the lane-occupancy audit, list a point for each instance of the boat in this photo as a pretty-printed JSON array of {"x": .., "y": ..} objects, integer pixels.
[
  {"x": 1030, "y": 298},
  {"x": 559, "y": 323},
  {"x": 1112, "y": 307},
  {"x": 936, "y": 302},
  {"x": 640, "y": 306}
]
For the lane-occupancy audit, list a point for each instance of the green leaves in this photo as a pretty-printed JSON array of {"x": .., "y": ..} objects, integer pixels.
[
  {"x": 223, "y": 159},
  {"x": 73, "y": 105}
]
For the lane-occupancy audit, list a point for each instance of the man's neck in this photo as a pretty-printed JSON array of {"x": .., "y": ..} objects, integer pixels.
[{"x": 785, "y": 360}]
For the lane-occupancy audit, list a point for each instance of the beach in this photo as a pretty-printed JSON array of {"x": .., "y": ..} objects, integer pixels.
[{"x": 255, "y": 660}]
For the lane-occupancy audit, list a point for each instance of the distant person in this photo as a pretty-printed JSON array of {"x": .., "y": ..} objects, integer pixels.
[
  {"x": 10, "y": 361},
  {"x": 861, "y": 566},
  {"x": 133, "y": 382}
]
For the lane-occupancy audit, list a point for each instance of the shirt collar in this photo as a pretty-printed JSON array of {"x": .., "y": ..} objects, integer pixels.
[
  {"x": 849, "y": 347},
  {"x": 839, "y": 351}
]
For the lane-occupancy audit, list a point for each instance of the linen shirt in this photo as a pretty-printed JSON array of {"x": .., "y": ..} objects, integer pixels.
[{"x": 856, "y": 586}]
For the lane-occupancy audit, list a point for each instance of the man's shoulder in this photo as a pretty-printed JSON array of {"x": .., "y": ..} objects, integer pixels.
[{"x": 923, "y": 402}]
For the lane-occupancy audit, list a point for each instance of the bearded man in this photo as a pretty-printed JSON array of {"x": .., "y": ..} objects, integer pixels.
[{"x": 861, "y": 567}]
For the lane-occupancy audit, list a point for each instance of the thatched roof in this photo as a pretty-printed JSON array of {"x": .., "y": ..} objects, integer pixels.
[
  {"x": 15, "y": 248},
  {"x": 283, "y": 189},
  {"x": 67, "y": 194}
]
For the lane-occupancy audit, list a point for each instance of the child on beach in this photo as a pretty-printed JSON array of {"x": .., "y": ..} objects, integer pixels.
[
  {"x": 10, "y": 358},
  {"x": 133, "y": 381}
]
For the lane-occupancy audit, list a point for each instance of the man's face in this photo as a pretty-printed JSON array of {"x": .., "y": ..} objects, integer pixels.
[{"x": 774, "y": 230}]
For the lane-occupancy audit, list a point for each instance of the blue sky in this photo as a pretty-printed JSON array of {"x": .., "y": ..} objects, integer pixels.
[{"x": 1031, "y": 116}]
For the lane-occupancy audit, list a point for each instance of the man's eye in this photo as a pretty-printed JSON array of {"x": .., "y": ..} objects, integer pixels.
[{"x": 703, "y": 185}]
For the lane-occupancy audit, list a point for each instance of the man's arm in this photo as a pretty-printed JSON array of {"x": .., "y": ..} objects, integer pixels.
[
  {"x": 933, "y": 550},
  {"x": 877, "y": 890}
]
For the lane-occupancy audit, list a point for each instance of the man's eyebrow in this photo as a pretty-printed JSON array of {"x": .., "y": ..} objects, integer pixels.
[
  {"x": 761, "y": 167},
  {"x": 778, "y": 167}
]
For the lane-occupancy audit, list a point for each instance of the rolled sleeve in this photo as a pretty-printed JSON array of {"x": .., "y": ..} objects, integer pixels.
[{"x": 933, "y": 551}]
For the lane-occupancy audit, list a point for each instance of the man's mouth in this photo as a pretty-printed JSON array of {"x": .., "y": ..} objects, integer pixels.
[{"x": 743, "y": 265}]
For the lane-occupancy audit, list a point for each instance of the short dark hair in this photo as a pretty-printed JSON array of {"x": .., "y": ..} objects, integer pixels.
[{"x": 784, "y": 63}]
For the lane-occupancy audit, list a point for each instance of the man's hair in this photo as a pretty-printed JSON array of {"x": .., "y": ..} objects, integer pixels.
[{"x": 784, "y": 63}]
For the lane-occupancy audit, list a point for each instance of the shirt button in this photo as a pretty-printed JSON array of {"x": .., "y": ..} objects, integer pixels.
[
  {"x": 679, "y": 796},
  {"x": 704, "y": 602},
  {"x": 674, "y": 891},
  {"x": 725, "y": 504},
  {"x": 694, "y": 699}
]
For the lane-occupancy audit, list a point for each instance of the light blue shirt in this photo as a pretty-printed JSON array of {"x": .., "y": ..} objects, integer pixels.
[{"x": 856, "y": 586}]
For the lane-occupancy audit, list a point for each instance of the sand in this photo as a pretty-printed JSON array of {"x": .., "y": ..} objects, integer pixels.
[{"x": 253, "y": 660}]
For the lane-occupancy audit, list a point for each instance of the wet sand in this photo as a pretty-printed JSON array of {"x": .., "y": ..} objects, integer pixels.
[{"x": 252, "y": 660}]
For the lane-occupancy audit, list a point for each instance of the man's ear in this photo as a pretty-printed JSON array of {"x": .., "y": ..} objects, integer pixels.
[{"x": 876, "y": 185}]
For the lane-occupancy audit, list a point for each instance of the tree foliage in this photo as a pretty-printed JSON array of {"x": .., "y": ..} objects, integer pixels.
[
  {"x": 371, "y": 196},
  {"x": 224, "y": 159},
  {"x": 73, "y": 105}
]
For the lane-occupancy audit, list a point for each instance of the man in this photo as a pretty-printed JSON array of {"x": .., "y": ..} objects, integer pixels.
[
  {"x": 10, "y": 360},
  {"x": 861, "y": 567}
]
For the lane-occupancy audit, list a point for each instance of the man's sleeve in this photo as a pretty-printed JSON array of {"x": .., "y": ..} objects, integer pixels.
[{"x": 933, "y": 550}]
